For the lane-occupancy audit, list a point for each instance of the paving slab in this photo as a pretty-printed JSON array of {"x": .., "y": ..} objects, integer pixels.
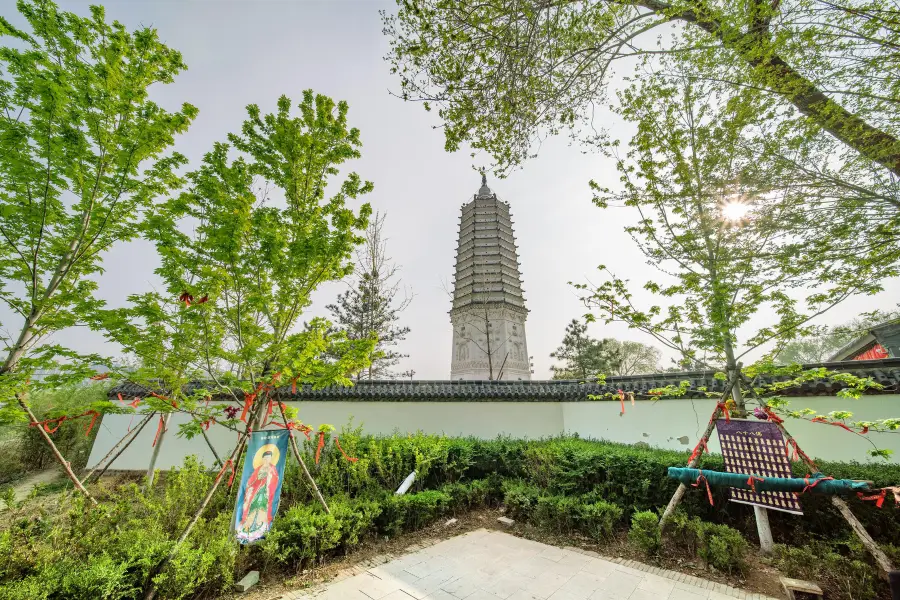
[{"x": 493, "y": 565}]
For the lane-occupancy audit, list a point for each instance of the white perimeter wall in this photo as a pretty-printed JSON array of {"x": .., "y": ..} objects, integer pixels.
[{"x": 675, "y": 424}]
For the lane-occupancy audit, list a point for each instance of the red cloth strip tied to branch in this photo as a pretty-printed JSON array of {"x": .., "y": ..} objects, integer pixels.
[
  {"x": 864, "y": 430},
  {"x": 58, "y": 421},
  {"x": 320, "y": 446},
  {"x": 159, "y": 430},
  {"x": 696, "y": 452},
  {"x": 798, "y": 453},
  {"x": 751, "y": 481},
  {"x": 878, "y": 498},
  {"x": 229, "y": 464},
  {"x": 337, "y": 443},
  {"x": 708, "y": 490},
  {"x": 816, "y": 482},
  {"x": 771, "y": 416},
  {"x": 622, "y": 401},
  {"x": 724, "y": 408}
]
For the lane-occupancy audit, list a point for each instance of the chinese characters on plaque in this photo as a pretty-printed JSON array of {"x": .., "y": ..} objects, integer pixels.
[{"x": 757, "y": 448}]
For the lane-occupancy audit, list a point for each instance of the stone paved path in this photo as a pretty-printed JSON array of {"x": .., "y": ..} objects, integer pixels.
[{"x": 491, "y": 565}]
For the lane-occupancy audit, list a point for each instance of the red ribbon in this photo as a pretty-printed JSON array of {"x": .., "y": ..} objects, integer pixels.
[
  {"x": 90, "y": 426},
  {"x": 134, "y": 403},
  {"x": 320, "y": 446},
  {"x": 229, "y": 464},
  {"x": 100, "y": 377},
  {"x": 205, "y": 424},
  {"x": 751, "y": 481},
  {"x": 837, "y": 424},
  {"x": 622, "y": 401},
  {"x": 708, "y": 490},
  {"x": 878, "y": 498},
  {"x": 815, "y": 482},
  {"x": 771, "y": 416},
  {"x": 696, "y": 452},
  {"x": 159, "y": 430},
  {"x": 294, "y": 386},
  {"x": 337, "y": 443},
  {"x": 722, "y": 406},
  {"x": 202, "y": 300},
  {"x": 59, "y": 421},
  {"x": 248, "y": 402}
]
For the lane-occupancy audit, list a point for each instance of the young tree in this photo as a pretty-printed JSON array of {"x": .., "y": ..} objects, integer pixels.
[
  {"x": 81, "y": 164},
  {"x": 722, "y": 240},
  {"x": 371, "y": 306},
  {"x": 241, "y": 251},
  {"x": 582, "y": 356},
  {"x": 237, "y": 284}
]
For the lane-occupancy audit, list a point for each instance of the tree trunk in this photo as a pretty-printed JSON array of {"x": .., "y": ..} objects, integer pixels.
[
  {"x": 783, "y": 79},
  {"x": 133, "y": 435},
  {"x": 151, "y": 591},
  {"x": 299, "y": 457},
  {"x": 59, "y": 457},
  {"x": 692, "y": 464},
  {"x": 151, "y": 468}
]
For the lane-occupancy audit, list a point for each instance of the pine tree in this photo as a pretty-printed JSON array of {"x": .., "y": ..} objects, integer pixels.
[{"x": 372, "y": 307}]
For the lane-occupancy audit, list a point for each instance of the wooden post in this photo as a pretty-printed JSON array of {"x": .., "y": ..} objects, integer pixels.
[
  {"x": 766, "y": 543},
  {"x": 59, "y": 457},
  {"x": 299, "y": 457},
  {"x": 692, "y": 464},
  {"x": 151, "y": 591},
  {"x": 131, "y": 436},
  {"x": 871, "y": 545}
]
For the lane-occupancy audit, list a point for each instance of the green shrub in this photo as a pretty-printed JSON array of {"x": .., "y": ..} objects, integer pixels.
[
  {"x": 644, "y": 532},
  {"x": 520, "y": 498},
  {"x": 559, "y": 513},
  {"x": 722, "y": 547},
  {"x": 423, "y": 508},
  {"x": 684, "y": 531},
  {"x": 302, "y": 534},
  {"x": 599, "y": 519},
  {"x": 355, "y": 519},
  {"x": 845, "y": 576},
  {"x": 472, "y": 494}
]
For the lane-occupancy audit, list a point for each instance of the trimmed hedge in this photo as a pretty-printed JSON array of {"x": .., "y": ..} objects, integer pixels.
[
  {"x": 634, "y": 479},
  {"x": 567, "y": 484}
]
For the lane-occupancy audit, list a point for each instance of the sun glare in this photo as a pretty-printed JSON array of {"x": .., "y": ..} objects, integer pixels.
[{"x": 735, "y": 211}]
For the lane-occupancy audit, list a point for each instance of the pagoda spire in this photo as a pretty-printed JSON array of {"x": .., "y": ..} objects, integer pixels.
[{"x": 488, "y": 313}]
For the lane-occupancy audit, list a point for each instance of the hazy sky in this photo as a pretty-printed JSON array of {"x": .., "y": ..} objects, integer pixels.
[{"x": 242, "y": 52}]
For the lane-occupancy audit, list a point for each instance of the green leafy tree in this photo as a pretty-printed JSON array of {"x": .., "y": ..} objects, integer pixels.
[
  {"x": 372, "y": 305},
  {"x": 500, "y": 71},
  {"x": 826, "y": 341},
  {"x": 504, "y": 75},
  {"x": 82, "y": 161},
  {"x": 264, "y": 235},
  {"x": 584, "y": 357},
  {"x": 722, "y": 241}
]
